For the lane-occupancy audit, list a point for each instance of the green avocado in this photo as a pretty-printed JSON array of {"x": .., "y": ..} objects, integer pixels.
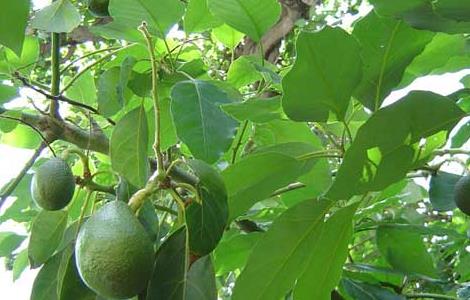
[
  {"x": 462, "y": 194},
  {"x": 53, "y": 185},
  {"x": 114, "y": 253},
  {"x": 99, "y": 8}
]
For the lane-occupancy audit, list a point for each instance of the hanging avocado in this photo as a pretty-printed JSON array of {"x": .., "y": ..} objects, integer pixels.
[
  {"x": 462, "y": 194},
  {"x": 53, "y": 185},
  {"x": 114, "y": 253},
  {"x": 99, "y": 8}
]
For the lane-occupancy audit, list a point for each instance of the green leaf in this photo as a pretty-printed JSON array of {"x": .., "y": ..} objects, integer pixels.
[
  {"x": 363, "y": 291},
  {"x": 22, "y": 137},
  {"x": 149, "y": 219},
  {"x": 274, "y": 266},
  {"x": 258, "y": 110},
  {"x": 11, "y": 63},
  {"x": 253, "y": 18},
  {"x": 9, "y": 242},
  {"x": 20, "y": 264},
  {"x": 445, "y": 53},
  {"x": 206, "y": 221},
  {"x": 375, "y": 159},
  {"x": 21, "y": 209},
  {"x": 405, "y": 251},
  {"x": 327, "y": 257},
  {"x": 227, "y": 36},
  {"x": 198, "y": 18},
  {"x": 256, "y": 177},
  {"x": 131, "y": 13},
  {"x": 72, "y": 287},
  {"x": 442, "y": 16},
  {"x": 129, "y": 144},
  {"x": 169, "y": 276},
  {"x": 201, "y": 280},
  {"x": 285, "y": 131},
  {"x": 45, "y": 284},
  {"x": 59, "y": 16},
  {"x": 386, "y": 50},
  {"x": 461, "y": 136},
  {"x": 232, "y": 253},
  {"x": 167, "y": 127},
  {"x": 46, "y": 233},
  {"x": 13, "y": 20},
  {"x": 326, "y": 72},
  {"x": 441, "y": 191},
  {"x": 200, "y": 123},
  {"x": 243, "y": 71},
  {"x": 83, "y": 89},
  {"x": 110, "y": 98}
]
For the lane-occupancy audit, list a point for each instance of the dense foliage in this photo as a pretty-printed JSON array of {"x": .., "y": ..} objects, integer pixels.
[{"x": 249, "y": 145}]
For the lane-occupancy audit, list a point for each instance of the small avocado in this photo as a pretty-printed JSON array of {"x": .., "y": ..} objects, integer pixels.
[
  {"x": 99, "y": 8},
  {"x": 53, "y": 184},
  {"x": 462, "y": 194},
  {"x": 114, "y": 253}
]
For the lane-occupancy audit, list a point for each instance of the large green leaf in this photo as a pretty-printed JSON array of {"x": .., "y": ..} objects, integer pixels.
[
  {"x": 22, "y": 137},
  {"x": 46, "y": 234},
  {"x": 200, "y": 123},
  {"x": 84, "y": 90},
  {"x": 9, "y": 242},
  {"x": 445, "y": 53},
  {"x": 388, "y": 47},
  {"x": 253, "y": 18},
  {"x": 449, "y": 16},
  {"x": 362, "y": 291},
  {"x": 382, "y": 154},
  {"x": 227, "y": 36},
  {"x": 232, "y": 253},
  {"x": 279, "y": 258},
  {"x": 59, "y": 16},
  {"x": 71, "y": 285},
  {"x": 201, "y": 280},
  {"x": 405, "y": 251},
  {"x": 45, "y": 283},
  {"x": 169, "y": 276},
  {"x": 198, "y": 18},
  {"x": 13, "y": 20},
  {"x": 441, "y": 191},
  {"x": 20, "y": 264},
  {"x": 324, "y": 269},
  {"x": 129, "y": 147},
  {"x": 206, "y": 221},
  {"x": 160, "y": 15},
  {"x": 258, "y": 110},
  {"x": 21, "y": 209},
  {"x": 256, "y": 177},
  {"x": 110, "y": 97},
  {"x": 10, "y": 61},
  {"x": 327, "y": 69},
  {"x": 461, "y": 136}
]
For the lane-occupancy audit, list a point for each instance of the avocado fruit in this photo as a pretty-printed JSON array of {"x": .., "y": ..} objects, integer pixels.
[
  {"x": 462, "y": 194},
  {"x": 99, "y": 8},
  {"x": 53, "y": 184},
  {"x": 114, "y": 252}
]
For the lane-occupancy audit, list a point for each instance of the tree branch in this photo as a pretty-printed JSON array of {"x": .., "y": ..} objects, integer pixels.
[{"x": 12, "y": 186}]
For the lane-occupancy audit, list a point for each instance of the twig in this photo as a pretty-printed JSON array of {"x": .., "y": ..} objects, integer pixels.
[
  {"x": 157, "y": 143},
  {"x": 84, "y": 70},
  {"x": 60, "y": 98},
  {"x": 165, "y": 209},
  {"x": 12, "y": 186},
  {"x": 454, "y": 151},
  {"x": 55, "y": 67},
  {"x": 429, "y": 296},
  {"x": 239, "y": 142},
  {"x": 290, "y": 187},
  {"x": 44, "y": 139},
  {"x": 87, "y": 55}
]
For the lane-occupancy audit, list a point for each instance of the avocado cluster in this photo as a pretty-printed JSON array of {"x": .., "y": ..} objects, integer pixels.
[
  {"x": 462, "y": 194},
  {"x": 114, "y": 253},
  {"x": 53, "y": 185},
  {"x": 99, "y": 8}
]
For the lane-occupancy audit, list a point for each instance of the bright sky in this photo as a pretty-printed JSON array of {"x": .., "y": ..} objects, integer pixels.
[{"x": 13, "y": 159}]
